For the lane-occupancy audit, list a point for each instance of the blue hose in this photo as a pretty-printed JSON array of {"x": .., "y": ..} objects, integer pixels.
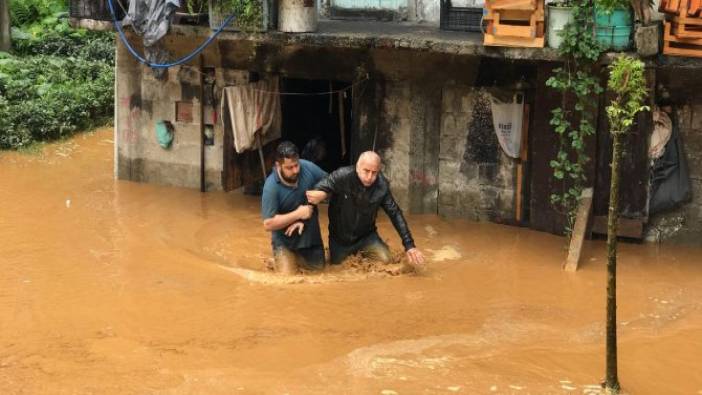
[{"x": 184, "y": 59}]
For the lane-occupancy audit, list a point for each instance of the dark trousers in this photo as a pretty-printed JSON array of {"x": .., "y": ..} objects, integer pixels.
[
  {"x": 288, "y": 260},
  {"x": 371, "y": 246}
]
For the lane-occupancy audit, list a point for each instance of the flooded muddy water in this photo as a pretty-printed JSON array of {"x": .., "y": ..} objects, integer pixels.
[{"x": 113, "y": 287}]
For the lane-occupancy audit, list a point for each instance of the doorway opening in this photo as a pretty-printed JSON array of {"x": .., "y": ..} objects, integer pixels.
[{"x": 318, "y": 119}]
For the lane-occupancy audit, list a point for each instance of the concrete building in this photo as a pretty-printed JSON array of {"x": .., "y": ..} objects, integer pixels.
[{"x": 418, "y": 95}]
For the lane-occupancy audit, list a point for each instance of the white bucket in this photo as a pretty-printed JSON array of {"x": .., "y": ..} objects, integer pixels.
[{"x": 297, "y": 16}]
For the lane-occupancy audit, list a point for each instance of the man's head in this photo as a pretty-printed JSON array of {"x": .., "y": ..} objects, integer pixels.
[
  {"x": 368, "y": 167},
  {"x": 287, "y": 160}
]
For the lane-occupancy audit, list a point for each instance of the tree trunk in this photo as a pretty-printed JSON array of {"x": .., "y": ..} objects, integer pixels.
[
  {"x": 5, "y": 41},
  {"x": 612, "y": 381}
]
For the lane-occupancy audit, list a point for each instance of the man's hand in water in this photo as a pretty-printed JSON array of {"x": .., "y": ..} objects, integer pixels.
[
  {"x": 415, "y": 256},
  {"x": 305, "y": 211},
  {"x": 296, "y": 227},
  {"x": 316, "y": 197}
]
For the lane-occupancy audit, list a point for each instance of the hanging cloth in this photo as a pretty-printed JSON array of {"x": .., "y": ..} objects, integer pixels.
[
  {"x": 507, "y": 119},
  {"x": 670, "y": 177},
  {"x": 662, "y": 128},
  {"x": 253, "y": 108}
]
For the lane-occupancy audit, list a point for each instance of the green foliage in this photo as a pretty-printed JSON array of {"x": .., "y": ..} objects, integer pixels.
[
  {"x": 574, "y": 123},
  {"x": 627, "y": 81},
  {"x": 608, "y": 6},
  {"x": 196, "y": 6},
  {"x": 87, "y": 45},
  {"x": 58, "y": 81},
  {"x": 27, "y": 12},
  {"x": 47, "y": 97},
  {"x": 249, "y": 13}
]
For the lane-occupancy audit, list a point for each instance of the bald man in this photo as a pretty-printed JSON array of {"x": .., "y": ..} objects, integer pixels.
[{"x": 356, "y": 194}]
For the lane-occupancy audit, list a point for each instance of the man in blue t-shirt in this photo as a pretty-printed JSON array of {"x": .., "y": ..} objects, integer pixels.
[{"x": 293, "y": 223}]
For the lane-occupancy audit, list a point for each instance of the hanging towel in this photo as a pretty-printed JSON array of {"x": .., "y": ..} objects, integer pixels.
[
  {"x": 252, "y": 108},
  {"x": 507, "y": 119}
]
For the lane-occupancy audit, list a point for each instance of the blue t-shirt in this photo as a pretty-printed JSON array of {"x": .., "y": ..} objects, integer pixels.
[{"x": 279, "y": 198}]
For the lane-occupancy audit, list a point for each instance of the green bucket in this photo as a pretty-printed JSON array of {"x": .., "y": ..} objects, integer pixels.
[
  {"x": 617, "y": 38},
  {"x": 613, "y": 30}
]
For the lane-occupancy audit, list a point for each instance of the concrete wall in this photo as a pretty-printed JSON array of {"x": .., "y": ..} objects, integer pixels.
[
  {"x": 476, "y": 178},
  {"x": 437, "y": 157},
  {"x": 141, "y": 101}
]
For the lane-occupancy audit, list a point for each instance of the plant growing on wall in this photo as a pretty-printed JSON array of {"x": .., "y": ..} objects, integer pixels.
[
  {"x": 573, "y": 121},
  {"x": 608, "y": 6},
  {"x": 249, "y": 13},
  {"x": 196, "y": 6},
  {"x": 627, "y": 81}
]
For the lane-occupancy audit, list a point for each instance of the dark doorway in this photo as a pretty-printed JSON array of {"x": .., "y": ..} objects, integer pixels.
[{"x": 311, "y": 120}]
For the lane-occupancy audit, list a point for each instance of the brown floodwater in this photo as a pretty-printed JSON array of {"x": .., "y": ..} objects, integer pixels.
[{"x": 113, "y": 287}]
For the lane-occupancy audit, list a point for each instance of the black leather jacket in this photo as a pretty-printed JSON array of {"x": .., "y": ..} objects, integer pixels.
[{"x": 353, "y": 208}]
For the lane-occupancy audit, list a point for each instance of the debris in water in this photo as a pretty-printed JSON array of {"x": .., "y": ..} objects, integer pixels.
[
  {"x": 493, "y": 388},
  {"x": 516, "y": 387},
  {"x": 68, "y": 203},
  {"x": 455, "y": 388},
  {"x": 431, "y": 231},
  {"x": 568, "y": 387},
  {"x": 446, "y": 253},
  {"x": 388, "y": 392}
]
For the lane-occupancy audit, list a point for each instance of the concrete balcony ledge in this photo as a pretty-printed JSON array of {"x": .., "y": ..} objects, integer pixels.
[{"x": 383, "y": 35}]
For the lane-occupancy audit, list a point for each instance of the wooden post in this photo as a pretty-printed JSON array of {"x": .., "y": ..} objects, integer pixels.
[
  {"x": 201, "y": 69},
  {"x": 578, "y": 237},
  {"x": 5, "y": 37},
  {"x": 523, "y": 156},
  {"x": 261, "y": 157},
  {"x": 342, "y": 124},
  {"x": 611, "y": 371}
]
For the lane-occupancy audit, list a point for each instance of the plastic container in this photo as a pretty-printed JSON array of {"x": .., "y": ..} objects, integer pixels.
[
  {"x": 297, "y": 16},
  {"x": 464, "y": 19},
  {"x": 614, "y": 30},
  {"x": 558, "y": 18}
]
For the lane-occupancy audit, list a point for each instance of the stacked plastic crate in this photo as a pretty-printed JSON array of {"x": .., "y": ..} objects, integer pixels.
[
  {"x": 515, "y": 23},
  {"x": 682, "y": 33}
]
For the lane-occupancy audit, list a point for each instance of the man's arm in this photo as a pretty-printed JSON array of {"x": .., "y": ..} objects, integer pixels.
[
  {"x": 269, "y": 210},
  {"x": 282, "y": 221},
  {"x": 314, "y": 196},
  {"x": 398, "y": 221},
  {"x": 327, "y": 186}
]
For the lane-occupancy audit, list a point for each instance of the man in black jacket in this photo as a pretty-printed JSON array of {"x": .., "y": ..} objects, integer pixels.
[{"x": 356, "y": 195}]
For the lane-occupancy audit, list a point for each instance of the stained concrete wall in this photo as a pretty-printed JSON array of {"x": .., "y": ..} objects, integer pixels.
[
  {"x": 417, "y": 108},
  {"x": 141, "y": 101},
  {"x": 476, "y": 178}
]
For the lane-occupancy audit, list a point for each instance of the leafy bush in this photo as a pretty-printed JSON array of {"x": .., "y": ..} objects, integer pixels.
[
  {"x": 58, "y": 81},
  {"x": 87, "y": 45},
  {"x": 45, "y": 97},
  {"x": 27, "y": 12}
]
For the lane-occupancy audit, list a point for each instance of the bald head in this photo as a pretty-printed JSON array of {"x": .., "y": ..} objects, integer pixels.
[
  {"x": 368, "y": 167},
  {"x": 369, "y": 156}
]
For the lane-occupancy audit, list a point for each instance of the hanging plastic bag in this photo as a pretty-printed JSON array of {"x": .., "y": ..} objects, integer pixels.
[
  {"x": 507, "y": 119},
  {"x": 164, "y": 134}
]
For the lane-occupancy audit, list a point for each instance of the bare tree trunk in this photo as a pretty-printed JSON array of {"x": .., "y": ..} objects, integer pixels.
[
  {"x": 5, "y": 40},
  {"x": 612, "y": 380}
]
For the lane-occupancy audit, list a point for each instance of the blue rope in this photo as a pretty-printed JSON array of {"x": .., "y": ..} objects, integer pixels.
[{"x": 184, "y": 59}]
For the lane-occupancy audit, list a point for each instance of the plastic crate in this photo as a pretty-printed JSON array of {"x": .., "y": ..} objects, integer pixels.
[
  {"x": 97, "y": 10},
  {"x": 464, "y": 19}
]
